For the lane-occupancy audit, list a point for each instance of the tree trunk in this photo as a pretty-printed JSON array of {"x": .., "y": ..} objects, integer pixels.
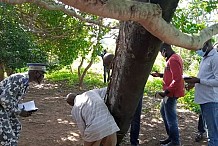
[
  {"x": 1, "y": 71},
  {"x": 81, "y": 79},
  {"x": 136, "y": 52},
  {"x": 9, "y": 71}
]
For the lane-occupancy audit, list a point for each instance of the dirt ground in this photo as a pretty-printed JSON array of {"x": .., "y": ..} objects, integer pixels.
[{"x": 51, "y": 125}]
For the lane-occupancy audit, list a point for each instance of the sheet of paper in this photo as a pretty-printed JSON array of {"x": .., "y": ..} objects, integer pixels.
[{"x": 28, "y": 106}]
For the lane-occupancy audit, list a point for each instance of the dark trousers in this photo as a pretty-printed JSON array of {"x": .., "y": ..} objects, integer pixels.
[
  {"x": 135, "y": 125},
  {"x": 201, "y": 124}
]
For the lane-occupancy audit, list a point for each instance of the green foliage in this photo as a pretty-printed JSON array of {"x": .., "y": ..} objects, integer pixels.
[
  {"x": 188, "y": 101},
  {"x": 153, "y": 86},
  {"x": 17, "y": 45},
  {"x": 194, "y": 16},
  {"x": 155, "y": 68},
  {"x": 61, "y": 76},
  {"x": 64, "y": 38},
  {"x": 191, "y": 62},
  {"x": 92, "y": 80}
]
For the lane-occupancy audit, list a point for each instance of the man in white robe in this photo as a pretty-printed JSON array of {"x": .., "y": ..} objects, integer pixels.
[{"x": 96, "y": 124}]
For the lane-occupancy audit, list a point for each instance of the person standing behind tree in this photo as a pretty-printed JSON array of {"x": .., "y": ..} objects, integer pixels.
[
  {"x": 135, "y": 123},
  {"x": 173, "y": 88},
  {"x": 12, "y": 90},
  {"x": 206, "y": 90}
]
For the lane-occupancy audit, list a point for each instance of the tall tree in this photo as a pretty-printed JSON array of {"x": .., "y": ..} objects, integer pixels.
[
  {"x": 63, "y": 37},
  {"x": 136, "y": 47},
  {"x": 17, "y": 45},
  {"x": 136, "y": 52}
]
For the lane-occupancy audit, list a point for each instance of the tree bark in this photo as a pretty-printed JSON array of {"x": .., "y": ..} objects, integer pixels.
[{"x": 136, "y": 52}]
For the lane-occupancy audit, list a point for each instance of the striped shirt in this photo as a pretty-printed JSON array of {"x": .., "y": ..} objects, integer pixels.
[{"x": 92, "y": 115}]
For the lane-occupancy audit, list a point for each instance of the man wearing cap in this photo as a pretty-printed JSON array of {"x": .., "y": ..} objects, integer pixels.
[{"x": 12, "y": 90}]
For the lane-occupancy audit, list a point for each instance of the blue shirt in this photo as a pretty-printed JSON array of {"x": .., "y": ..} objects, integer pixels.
[{"x": 207, "y": 90}]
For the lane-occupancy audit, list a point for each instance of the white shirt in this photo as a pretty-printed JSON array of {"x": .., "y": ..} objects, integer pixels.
[
  {"x": 92, "y": 115},
  {"x": 207, "y": 90}
]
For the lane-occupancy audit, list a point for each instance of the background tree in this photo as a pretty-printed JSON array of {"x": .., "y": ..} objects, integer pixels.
[
  {"x": 63, "y": 37},
  {"x": 191, "y": 17},
  {"x": 17, "y": 45}
]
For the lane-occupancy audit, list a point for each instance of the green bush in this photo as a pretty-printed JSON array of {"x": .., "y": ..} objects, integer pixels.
[
  {"x": 153, "y": 86},
  {"x": 91, "y": 80},
  {"x": 188, "y": 101}
]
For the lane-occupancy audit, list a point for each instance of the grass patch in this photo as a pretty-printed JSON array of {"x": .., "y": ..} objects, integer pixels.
[
  {"x": 91, "y": 80},
  {"x": 152, "y": 86},
  {"x": 188, "y": 101},
  {"x": 94, "y": 80}
]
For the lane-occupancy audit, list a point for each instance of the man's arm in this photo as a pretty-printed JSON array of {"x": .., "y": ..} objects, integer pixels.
[
  {"x": 157, "y": 74},
  {"x": 10, "y": 94},
  {"x": 213, "y": 82},
  {"x": 77, "y": 115}
]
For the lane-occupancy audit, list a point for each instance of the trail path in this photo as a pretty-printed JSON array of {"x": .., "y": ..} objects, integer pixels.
[{"x": 51, "y": 125}]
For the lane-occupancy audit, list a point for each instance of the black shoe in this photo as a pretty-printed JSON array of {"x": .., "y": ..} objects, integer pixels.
[
  {"x": 199, "y": 137},
  {"x": 165, "y": 141},
  {"x": 171, "y": 144}
]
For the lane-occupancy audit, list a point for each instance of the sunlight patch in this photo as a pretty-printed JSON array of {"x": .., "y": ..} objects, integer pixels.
[{"x": 60, "y": 121}]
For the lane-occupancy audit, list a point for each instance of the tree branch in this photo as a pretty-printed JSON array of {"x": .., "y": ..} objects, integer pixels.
[
  {"x": 147, "y": 14},
  {"x": 58, "y": 7}
]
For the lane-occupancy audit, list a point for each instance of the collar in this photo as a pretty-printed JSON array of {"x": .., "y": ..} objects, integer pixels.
[
  {"x": 211, "y": 53},
  {"x": 26, "y": 79},
  {"x": 167, "y": 58}
]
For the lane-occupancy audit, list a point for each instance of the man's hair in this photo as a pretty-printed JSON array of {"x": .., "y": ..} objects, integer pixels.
[
  {"x": 208, "y": 42},
  {"x": 164, "y": 47},
  {"x": 70, "y": 98}
]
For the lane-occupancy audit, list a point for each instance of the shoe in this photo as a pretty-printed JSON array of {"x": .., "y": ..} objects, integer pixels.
[
  {"x": 171, "y": 144},
  {"x": 198, "y": 137},
  {"x": 165, "y": 141}
]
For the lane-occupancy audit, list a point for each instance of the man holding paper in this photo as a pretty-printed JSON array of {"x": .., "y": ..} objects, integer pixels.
[
  {"x": 173, "y": 88},
  {"x": 12, "y": 90}
]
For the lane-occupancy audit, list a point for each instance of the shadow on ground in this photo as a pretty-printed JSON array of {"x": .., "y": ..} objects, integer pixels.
[{"x": 51, "y": 125}]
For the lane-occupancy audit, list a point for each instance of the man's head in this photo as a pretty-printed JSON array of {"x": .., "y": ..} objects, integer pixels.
[
  {"x": 207, "y": 46},
  {"x": 70, "y": 98},
  {"x": 166, "y": 50},
  {"x": 36, "y": 72}
]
